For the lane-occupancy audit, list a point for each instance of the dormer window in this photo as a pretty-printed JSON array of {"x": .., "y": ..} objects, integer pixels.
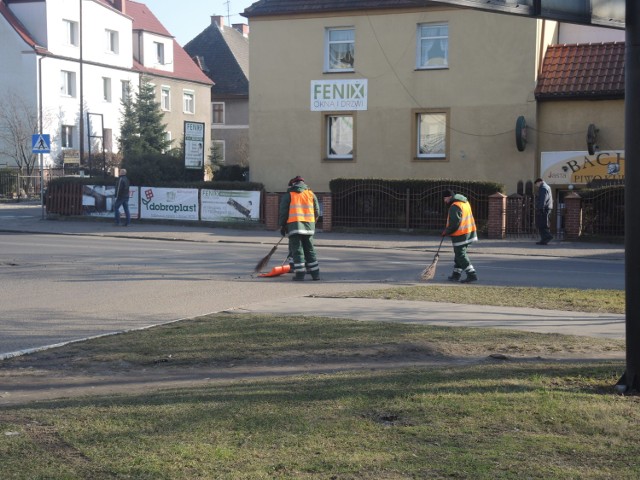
[{"x": 159, "y": 53}]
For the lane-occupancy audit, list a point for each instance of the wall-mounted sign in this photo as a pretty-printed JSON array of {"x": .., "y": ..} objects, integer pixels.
[
  {"x": 71, "y": 157},
  {"x": 338, "y": 95},
  {"x": 580, "y": 168},
  {"x": 194, "y": 145}
]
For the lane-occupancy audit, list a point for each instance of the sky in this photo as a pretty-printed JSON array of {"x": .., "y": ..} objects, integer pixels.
[{"x": 187, "y": 18}]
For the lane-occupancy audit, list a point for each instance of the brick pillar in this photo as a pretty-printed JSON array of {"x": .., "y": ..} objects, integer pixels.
[
  {"x": 271, "y": 207},
  {"x": 327, "y": 218},
  {"x": 496, "y": 224},
  {"x": 572, "y": 216}
]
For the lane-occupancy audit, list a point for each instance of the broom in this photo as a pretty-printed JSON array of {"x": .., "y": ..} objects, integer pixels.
[
  {"x": 430, "y": 271},
  {"x": 263, "y": 263}
]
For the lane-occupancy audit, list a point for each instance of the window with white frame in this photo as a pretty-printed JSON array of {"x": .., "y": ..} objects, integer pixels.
[
  {"x": 125, "y": 89},
  {"x": 431, "y": 130},
  {"x": 112, "y": 41},
  {"x": 188, "y": 102},
  {"x": 66, "y": 136},
  {"x": 433, "y": 45},
  {"x": 68, "y": 83},
  {"x": 217, "y": 113},
  {"x": 71, "y": 32},
  {"x": 165, "y": 98},
  {"x": 106, "y": 89},
  {"x": 340, "y": 136},
  {"x": 159, "y": 52},
  {"x": 218, "y": 152},
  {"x": 168, "y": 139},
  {"x": 107, "y": 135},
  {"x": 339, "y": 52}
]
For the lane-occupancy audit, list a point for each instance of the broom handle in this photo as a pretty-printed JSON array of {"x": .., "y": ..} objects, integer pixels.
[{"x": 441, "y": 240}]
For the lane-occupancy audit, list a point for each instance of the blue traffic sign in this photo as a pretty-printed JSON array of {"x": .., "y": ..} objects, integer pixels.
[{"x": 41, "y": 143}]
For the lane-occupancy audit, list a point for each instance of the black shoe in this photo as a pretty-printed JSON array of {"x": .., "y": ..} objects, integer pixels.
[
  {"x": 454, "y": 277},
  {"x": 542, "y": 243},
  {"x": 471, "y": 277}
]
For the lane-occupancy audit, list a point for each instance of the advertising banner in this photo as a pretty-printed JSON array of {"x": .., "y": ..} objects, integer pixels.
[
  {"x": 580, "y": 168},
  {"x": 338, "y": 95},
  {"x": 229, "y": 206},
  {"x": 98, "y": 201},
  {"x": 169, "y": 203},
  {"x": 193, "y": 145}
]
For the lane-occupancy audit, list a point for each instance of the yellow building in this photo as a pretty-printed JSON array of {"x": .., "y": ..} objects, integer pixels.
[{"x": 367, "y": 91}]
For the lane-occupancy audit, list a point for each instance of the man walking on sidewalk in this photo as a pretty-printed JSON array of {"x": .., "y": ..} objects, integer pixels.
[
  {"x": 544, "y": 205},
  {"x": 122, "y": 198},
  {"x": 461, "y": 227}
]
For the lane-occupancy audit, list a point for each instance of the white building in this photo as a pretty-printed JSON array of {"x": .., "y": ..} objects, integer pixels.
[{"x": 73, "y": 59}]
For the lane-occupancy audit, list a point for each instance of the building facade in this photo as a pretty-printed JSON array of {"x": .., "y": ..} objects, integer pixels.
[
  {"x": 362, "y": 90},
  {"x": 73, "y": 60}
]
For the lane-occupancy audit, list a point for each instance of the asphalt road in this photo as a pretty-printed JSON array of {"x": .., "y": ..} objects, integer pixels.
[{"x": 57, "y": 288}]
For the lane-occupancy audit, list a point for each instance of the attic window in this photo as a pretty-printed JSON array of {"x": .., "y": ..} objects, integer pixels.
[{"x": 159, "y": 52}]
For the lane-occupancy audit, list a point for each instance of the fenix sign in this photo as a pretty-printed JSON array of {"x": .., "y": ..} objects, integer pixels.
[{"x": 338, "y": 95}]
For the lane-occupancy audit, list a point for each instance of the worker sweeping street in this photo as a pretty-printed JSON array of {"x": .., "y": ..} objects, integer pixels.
[
  {"x": 461, "y": 227},
  {"x": 299, "y": 210}
]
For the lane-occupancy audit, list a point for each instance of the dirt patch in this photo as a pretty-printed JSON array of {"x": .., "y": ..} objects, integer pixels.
[{"x": 49, "y": 378}]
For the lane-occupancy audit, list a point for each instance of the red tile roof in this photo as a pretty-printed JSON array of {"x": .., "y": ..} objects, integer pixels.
[
  {"x": 184, "y": 67},
  {"x": 587, "y": 70}
]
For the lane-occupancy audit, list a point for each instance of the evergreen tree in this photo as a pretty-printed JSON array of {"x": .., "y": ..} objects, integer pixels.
[{"x": 142, "y": 130}]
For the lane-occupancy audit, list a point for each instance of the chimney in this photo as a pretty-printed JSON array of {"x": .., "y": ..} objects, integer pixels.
[
  {"x": 217, "y": 20},
  {"x": 243, "y": 28},
  {"x": 120, "y": 5}
]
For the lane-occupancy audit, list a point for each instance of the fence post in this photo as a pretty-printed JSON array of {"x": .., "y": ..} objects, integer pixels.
[
  {"x": 327, "y": 218},
  {"x": 496, "y": 223},
  {"x": 573, "y": 216},
  {"x": 271, "y": 208}
]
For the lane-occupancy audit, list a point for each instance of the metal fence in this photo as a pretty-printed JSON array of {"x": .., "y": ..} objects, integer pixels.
[
  {"x": 521, "y": 218},
  {"x": 603, "y": 212},
  {"x": 378, "y": 205}
]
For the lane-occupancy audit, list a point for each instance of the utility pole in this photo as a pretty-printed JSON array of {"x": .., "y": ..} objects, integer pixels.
[{"x": 228, "y": 2}]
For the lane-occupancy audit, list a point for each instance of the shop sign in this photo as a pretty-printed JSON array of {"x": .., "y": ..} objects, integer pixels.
[
  {"x": 580, "y": 168},
  {"x": 338, "y": 95}
]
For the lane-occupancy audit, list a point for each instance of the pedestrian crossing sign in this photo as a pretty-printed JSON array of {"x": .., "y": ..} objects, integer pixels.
[{"x": 41, "y": 143}]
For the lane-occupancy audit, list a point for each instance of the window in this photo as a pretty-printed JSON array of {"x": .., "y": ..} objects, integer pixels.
[
  {"x": 339, "y": 49},
  {"x": 217, "y": 117},
  {"x": 106, "y": 89},
  {"x": 433, "y": 46},
  {"x": 125, "y": 89},
  {"x": 68, "y": 86},
  {"x": 188, "y": 103},
  {"x": 217, "y": 152},
  {"x": 71, "y": 32},
  {"x": 168, "y": 139},
  {"x": 431, "y": 130},
  {"x": 159, "y": 52},
  {"x": 66, "y": 134},
  {"x": 107, "y": 134},
  {"x": 112, "y": 41},
  {"x": 340, "y": 137},
  {"x": 165, "y": 98}
]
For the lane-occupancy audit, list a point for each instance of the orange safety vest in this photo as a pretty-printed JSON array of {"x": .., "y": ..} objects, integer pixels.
[
  {"x": 301, "y": 207},
  {"x": 467, "y": 223}
]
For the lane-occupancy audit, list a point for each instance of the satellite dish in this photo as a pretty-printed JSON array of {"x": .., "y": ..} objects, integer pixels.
[
  {"x": 592, "y": 139},
  {"x": 521, "y": 133}
]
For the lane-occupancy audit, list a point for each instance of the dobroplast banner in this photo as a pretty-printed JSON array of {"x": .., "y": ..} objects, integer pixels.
[
  {"x": 169, "y": 203},
  {"x": 229, "y": 206}
]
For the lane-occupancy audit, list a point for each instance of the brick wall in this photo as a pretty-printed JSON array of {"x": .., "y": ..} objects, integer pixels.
[
  {"x": 497, "y": 225},
  {"x": 572, "y": 216}
]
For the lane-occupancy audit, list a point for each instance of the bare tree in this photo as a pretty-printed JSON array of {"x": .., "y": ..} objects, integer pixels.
[{"x": 18, "y": 122}]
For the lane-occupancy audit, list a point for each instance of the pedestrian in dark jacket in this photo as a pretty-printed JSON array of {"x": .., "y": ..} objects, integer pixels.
[
  {"x": 461, "y": 227},
  {"x": 544, "y": 205},
  {"x": 122, "y": 198},
  {"x": 299, "y": 210}
]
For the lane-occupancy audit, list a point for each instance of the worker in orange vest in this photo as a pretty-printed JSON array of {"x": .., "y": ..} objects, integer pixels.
[
  {"x": 299, "y": 210},
  {"x": 461, "y": 227}
]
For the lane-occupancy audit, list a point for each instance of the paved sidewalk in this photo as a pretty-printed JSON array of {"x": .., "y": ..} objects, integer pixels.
[{"x": 29, "y": 219}]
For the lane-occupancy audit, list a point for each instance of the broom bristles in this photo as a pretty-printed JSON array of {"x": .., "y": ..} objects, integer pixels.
[
  {"x": 263, "y": 263},
  {"x": 429, "y": 272}
]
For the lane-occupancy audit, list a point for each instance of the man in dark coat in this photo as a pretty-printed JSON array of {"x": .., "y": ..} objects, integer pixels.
[
  {"x": 544, "y": 205},
  {"x": 122, "y": 198}
]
